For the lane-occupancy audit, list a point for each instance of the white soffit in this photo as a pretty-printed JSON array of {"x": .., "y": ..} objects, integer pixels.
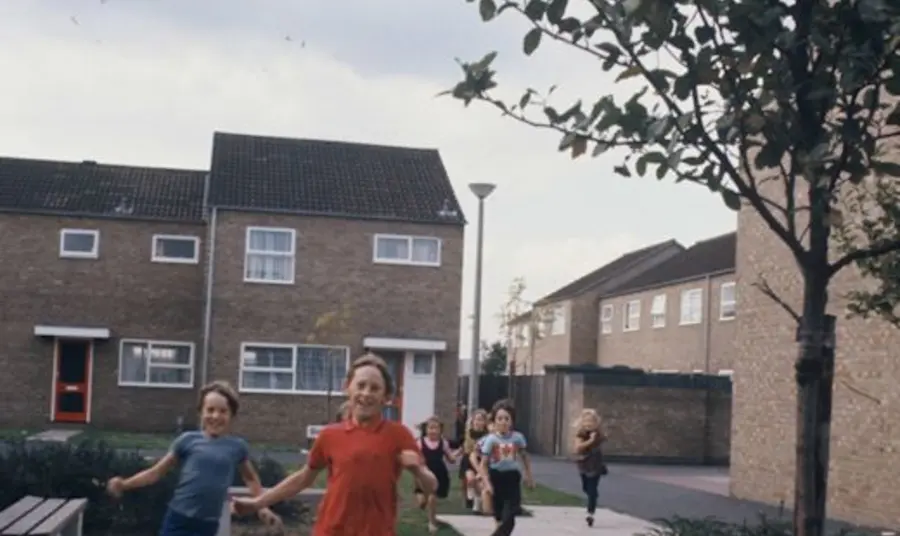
[
  {"x": 393, "y": 343},
  {"x": 67, "y": 332}
]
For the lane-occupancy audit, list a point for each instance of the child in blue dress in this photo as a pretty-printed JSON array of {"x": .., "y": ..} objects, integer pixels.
[{"x": 208, "y": 460}]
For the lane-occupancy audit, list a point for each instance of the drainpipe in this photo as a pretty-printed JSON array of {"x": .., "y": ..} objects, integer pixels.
[
  {"x": 207, "y": 312},
  {"x": 707, "y": 356}
]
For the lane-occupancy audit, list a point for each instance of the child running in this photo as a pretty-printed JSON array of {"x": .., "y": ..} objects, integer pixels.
[
  {"x": 436, "y": 453},
  {"x": 468, "y": 464},
  {"x": 589, "y": 457},
  {"x": 364, "y": 454},
  {"x": 501, "y": 451},
  {"x": 208, "y": 459}
]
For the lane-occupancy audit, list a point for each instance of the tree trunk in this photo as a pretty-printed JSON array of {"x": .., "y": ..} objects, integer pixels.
[{"x": 814, "y": 369}]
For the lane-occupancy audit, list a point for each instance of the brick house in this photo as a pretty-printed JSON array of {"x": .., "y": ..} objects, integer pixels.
[
  {"x": 561, "y": 329},
  {"x": 125, "y": 288},
  {"x": 865, "y": 444},
  {"x": 675, "y": 317}
]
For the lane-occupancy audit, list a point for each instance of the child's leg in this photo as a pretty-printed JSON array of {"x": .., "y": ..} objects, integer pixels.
[
  {"x": 421, "y": 498},
  {"x": 432, "y": 513},
  {"x": 498, "y": 499},
  {"x": 591, "y": 483}
]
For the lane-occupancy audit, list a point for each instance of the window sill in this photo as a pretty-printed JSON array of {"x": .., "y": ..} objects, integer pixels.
[
  {"x": 691, "y": 323},
  {"x": 267, "y": 281},
  {"x": 407, "y": 263},
  {"x": 157, "y": 385},
  {"x": 257, "y": 391},
  {"x": 167, "y": 260}
]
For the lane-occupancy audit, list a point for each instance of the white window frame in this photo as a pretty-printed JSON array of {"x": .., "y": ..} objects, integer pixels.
[
  {"x": 657, "y": 316},
  {"x": 93, "y": 254},
  {"x": 631, "y": 315},
  {"x": 558, "y": 320},
  {"x": 731, "y": 304},
  {"x": 410, "y": 239},
  {"x": 292, "y": 254},
  {"x": 156, "y": 257},
  {"x": 293, "y": 369},
  {"x": 606, "y": 320},
  {"x": 685, "y": 299},
  {"x": 150, "y": 343}
]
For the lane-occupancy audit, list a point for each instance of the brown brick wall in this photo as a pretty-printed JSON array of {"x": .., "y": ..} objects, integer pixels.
[
  {"x": 865, "y": 446},
  {"x": 706, "y": 346},
  {"x": 121, "y": 290},
  {"x": 334, "y": 268}
]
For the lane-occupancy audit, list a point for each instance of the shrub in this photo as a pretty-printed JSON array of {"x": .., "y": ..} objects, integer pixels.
[
  {"x": 679, "y": 526},
  {"x": 81, "y": 470}
]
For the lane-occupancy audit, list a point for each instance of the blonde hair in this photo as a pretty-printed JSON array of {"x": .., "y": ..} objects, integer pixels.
[{"x": 587, "y": 413}]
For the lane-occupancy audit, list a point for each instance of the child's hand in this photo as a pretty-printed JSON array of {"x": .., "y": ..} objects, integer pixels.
[
  {"x": 529, "y": 482},
  {"x": 115, "y": 487},
  {"x": 270, "y": 518},
  {"x": 244, "y": 506}
]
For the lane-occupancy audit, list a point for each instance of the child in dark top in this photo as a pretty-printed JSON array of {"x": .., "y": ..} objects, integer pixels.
[
  {"x": 589, "y": 457},
  {"x": 208, "y": 459},
  {"x": 436, "y": 452},
  {"x": 502, "y": 451}
]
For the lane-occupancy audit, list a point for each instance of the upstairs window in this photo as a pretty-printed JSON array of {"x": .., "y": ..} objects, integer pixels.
[
  {"x": 727, "y": 301},
  {"x": 409, "y": 250},
  {"x": 631, "y": 316},
  {"x": 176, "y": 249},
  {"x": 691, "y": 306},
  {"x": 658, "y": 311},
  {"x": 269, "y": 255},
  {"x": 79, "y": 243},
  {"x": 606, "y": 319}
]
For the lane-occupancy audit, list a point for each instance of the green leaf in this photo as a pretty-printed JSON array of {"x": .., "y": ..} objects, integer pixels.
[
  {"x": 893, "y": 118},
  {"x": 883, "y": 167},
  {"x": 600, "y": 148},
  {"x": 704, "y": 34},
  {"x": 556, "y": 10},
  {"x": 535, "y": 9},
  {"x": 655, "y": 157},
  {"x": 579, "y": 146},
  {"x": 487, "y": 9},
  {"x": 630, "y": 72},
  {"x": 623, "y": 171},
  {"x": 731, "y": 198},
  {"x": 531, "y": 41},
  {"x": 525, "y": 99},
  {"x": 892, "y": 84}
]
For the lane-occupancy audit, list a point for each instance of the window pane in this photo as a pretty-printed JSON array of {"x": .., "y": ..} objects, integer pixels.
[
  {"x": 727, "y": 293},
  {"x": 392, "y": 248},
  {"x": 423, "y": 363},
  {"x": 425, "y": 250},
  {"x": 275, "y": 381},
  {"x": 133, "y": 364},
  {"x": 176, "y": 248},
  {"x": 163, "y": 354},
  {"x": 270, "y": 241},
  {"x": 264, "y": 267},
  {"x": 279, "y": 358},
  {"x": 78, "y": 242},
  {"x": 316, "y": 364},
  {"x": 170, "y": 376}
]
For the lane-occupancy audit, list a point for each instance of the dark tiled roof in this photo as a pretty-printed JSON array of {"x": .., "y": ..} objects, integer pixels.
[
  {"x": 91, "y": 189},
  {"x": 710, "y": 256},
  {"x": 605, "y": 272},
  {"x": 331, "y": 178}
]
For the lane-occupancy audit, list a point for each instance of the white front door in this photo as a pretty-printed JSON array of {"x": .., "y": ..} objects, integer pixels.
[{"x": 418, "y": 388}]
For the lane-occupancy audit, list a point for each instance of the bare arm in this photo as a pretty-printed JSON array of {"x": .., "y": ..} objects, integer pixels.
[
  {"x": 152, "y": 475},
  {"x": 251, "y": 478},
  {"x": 526, "y": 463},
  {"x": 289, "y": 487}
]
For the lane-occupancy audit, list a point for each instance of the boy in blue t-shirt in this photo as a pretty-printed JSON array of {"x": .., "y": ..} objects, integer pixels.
[{"x": 502, "y": 451}]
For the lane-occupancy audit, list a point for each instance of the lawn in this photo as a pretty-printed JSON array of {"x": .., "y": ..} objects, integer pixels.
[{"x": 12, "y": 434}]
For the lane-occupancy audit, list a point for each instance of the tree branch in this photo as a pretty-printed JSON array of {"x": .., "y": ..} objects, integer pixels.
[
  {"x": 862, "y": 254},
  {"x": 766, "y": 289}
]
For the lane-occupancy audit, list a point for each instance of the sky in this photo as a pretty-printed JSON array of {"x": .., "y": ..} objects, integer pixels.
[{"x": 146, "y": 82}]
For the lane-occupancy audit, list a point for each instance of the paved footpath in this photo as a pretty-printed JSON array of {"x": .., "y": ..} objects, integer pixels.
[{"x": 555, "y": 520}]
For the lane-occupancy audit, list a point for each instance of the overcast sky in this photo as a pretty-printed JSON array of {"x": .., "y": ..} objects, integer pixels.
[{"x": 146, "y": 82}]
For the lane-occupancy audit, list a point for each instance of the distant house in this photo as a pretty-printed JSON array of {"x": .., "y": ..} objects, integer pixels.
[
  {"x": 562, "y": 327},
  {"x": 124, "y": 288},
  {"x": 675, "y": 317}
]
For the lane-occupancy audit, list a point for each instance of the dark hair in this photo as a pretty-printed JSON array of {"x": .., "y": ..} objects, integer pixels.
[
  {"x": 222, "y": 388},
  {"x": 423, "y": 426},
  {"x": 372, "y": 360},
  {"x": 506, "y": 405}
]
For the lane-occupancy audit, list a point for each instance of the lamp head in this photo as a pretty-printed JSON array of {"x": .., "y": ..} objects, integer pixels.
[{"x": 482, "y": 189}]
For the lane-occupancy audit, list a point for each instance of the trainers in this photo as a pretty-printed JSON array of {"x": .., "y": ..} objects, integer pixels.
[
  {"x": 470, "y": 503},
  {"x": 476, "y": 505},
  {"x": 590, "y": 521}
]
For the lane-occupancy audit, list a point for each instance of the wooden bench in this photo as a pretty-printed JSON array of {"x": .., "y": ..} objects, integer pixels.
[
  {"x": 43, "y": 517},
  {"x": 311, "y": 496}
]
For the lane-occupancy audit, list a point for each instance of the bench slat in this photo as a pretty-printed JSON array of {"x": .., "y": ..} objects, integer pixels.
[
  {"x": 34, "y": 517},
  {"x": 12, "y": 514},
  {"x": 60, "y": 518}
]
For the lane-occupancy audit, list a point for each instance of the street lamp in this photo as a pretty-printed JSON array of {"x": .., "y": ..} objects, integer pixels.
[{"x": 481, "y": 191}]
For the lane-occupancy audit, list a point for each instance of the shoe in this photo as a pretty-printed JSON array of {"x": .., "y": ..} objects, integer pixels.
[
  {"x": 476, "y": 506},
  {"x": 470, "y": 503},
  {"x": 590, "y": 521}
]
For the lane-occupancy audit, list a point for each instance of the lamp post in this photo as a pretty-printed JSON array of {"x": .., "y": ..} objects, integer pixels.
[{"x": 481, "y": 191}]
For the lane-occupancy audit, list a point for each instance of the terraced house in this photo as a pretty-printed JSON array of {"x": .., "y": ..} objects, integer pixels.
[{"x": 124, "y": 289}]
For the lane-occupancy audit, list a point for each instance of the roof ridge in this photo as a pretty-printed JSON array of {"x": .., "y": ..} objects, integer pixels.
[
  {"x": 88, "y": 162},
  {"x": 324, "y": 141}
]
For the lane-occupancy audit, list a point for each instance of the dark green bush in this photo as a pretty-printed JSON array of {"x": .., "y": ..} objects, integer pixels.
[
  {"x": 82, "y": 470},
  {"x": 679, "y": 526}
]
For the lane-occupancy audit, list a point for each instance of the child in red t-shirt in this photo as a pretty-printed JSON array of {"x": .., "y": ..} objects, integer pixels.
[{"x": 364, "y": 454}]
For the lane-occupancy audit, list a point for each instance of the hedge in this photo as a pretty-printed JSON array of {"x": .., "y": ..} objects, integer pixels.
[{"x": 81, "y": 470}]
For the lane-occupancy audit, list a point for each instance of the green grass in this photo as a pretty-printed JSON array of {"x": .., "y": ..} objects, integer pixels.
[
  {"x": 10, "y": 434},
  {"x": 132, "y": 440},
  {"x": 412, "y": 520}
]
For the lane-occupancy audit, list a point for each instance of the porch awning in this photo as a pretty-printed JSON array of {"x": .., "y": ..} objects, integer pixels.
[
  {"x": 71, "y": 332},
  {"x": 400, "y": 343}
]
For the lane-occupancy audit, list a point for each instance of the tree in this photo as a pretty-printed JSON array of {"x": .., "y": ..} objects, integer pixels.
[
  {"x": 494, "y": 356},
  {"x": 784, "y": 107},
  {"x": 511, "y": 321}
]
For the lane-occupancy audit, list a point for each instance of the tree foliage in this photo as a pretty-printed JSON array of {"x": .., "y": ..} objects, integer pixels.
[
  {"x": 788, "y": 107},
  {"x": 494, "y": 358}
]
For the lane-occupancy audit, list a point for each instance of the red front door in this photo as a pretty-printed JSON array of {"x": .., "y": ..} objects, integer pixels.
[{"x": 72, "y": 385}]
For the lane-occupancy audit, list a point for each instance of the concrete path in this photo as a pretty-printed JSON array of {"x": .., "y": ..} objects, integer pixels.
[
  {"x": 57, "y": 436},
  {"x": 555, "y": 520}
]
